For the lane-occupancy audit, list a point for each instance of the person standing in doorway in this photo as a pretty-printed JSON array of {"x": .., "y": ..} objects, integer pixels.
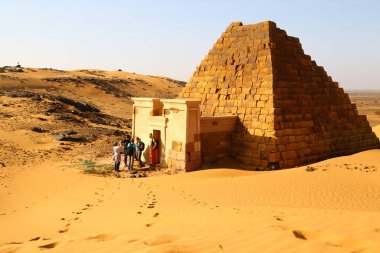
[
  {"x": 153, "y": 150},
  {"x": 125, "y": 143},
  {"x": 140, "y": 146},
  {"x": 131, "y": 152}
]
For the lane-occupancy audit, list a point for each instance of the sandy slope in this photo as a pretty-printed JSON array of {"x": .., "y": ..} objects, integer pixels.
[{"x": 335, "y": 208}]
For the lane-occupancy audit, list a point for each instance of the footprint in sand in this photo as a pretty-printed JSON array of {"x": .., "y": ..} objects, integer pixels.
[
  {"x": 63, "y": 230},
  {"x": 299, "y": 234},
  {"x": 35, "y": 238},
  {"x": 156, "y": 215},
  {"x": 133, "y": 240},
  {"x": 333, "y": 244},
  {"x": 161, "y": 239},
  {"x": 278, "y": 218},
  {"x": 315, "y": 235},
  {"x": 13, "y": 243},
  {"x": 48, "y": 246},
  {"x": 99, "y": 237}
]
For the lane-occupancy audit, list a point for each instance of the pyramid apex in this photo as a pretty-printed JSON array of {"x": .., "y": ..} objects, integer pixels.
[
  {"x": 234, "y": 24},
  {"x": 265, "y": 24},
  {"x": 268, "y": 24},
  {"x": 271, "y": 23}
]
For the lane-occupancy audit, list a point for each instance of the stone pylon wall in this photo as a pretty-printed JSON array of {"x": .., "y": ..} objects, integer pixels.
[{"x": 289, "y": 110}]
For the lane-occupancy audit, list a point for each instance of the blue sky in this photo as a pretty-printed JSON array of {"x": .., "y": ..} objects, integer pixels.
[{"x": 170, "y": 38}]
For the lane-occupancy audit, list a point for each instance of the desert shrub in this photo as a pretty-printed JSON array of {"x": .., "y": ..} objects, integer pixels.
[
  {"x": 91, "y": 167},
  {"x": 88, "y": 164}
]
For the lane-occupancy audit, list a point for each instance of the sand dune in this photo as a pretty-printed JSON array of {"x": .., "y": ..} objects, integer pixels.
[{"x": 332, "y": 209}]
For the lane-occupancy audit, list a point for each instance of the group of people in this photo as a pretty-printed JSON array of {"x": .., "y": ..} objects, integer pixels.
[{"x": 133, "y": 148}]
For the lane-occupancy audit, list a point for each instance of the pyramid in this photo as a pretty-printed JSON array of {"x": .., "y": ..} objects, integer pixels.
[{"x": 290, "y": 112}]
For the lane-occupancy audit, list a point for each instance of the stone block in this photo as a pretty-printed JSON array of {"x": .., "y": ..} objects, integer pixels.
[
  {"x": 274, "y": 157},
  {"x": 263, "y": 163},
  {"x": 289, "y": 155},
  {"x": 256, "y": 162},
  {"x": 245, "y": 160},
  {"x": 177, "y": 146}
]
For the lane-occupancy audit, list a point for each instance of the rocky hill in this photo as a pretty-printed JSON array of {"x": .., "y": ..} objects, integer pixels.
[{"x": 55, "y": 114}]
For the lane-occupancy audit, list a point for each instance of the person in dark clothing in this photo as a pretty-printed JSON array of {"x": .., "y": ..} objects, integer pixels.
[
  {"x": 131, "y": 153},
  {"x": 140, "y": 146},
  {"x": 125, "y": 143}
]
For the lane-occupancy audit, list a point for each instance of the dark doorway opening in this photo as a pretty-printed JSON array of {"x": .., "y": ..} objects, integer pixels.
[{"x": 157, "y": 136}]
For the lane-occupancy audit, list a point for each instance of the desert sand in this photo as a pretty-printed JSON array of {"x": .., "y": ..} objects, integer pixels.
[{"x": 48, "y": 204}]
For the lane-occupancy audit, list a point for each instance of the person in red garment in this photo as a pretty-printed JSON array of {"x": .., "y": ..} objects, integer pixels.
[{"x": 153, "y": 150}]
